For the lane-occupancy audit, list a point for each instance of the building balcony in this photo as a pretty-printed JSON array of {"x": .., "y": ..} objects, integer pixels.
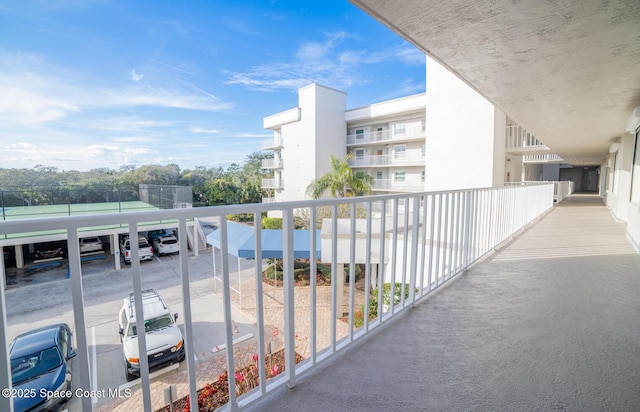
[
  {"x": 548, "y": 322},
  {"x": 272, "y": 183},
  {"x": 270, "y": 200},
  {"x": 542, "y": 158},
  {"x": 392, "y": 185},
  {"x": 384, "y": 136},
  {"x": 411, "y": 158},
  {"x": 272, "y": 144},
  {"x": 271, "y": 163},
  {"x": 539, "y": 308},
  {"x": 520, "y": 141}
]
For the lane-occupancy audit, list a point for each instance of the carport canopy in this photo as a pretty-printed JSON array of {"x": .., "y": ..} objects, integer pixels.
[{"x": 241, "y": 242}]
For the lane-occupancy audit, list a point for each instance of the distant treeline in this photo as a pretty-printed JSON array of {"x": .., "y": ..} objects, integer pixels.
[{"x": 44, "y": 185}]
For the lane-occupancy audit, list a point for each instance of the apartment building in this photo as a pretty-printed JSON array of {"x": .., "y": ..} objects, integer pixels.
[{"x": 447, "y": 138}]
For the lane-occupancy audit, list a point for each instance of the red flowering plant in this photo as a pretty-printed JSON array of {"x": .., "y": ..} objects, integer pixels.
[{"x": 247, "y": 374}]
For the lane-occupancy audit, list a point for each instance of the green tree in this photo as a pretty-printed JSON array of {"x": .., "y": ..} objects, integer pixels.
[{"x": 340, "y": 181}]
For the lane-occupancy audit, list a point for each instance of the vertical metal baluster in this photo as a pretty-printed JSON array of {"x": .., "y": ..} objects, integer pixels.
[
  {"x": 405, "y": 251},
  {"x": 77, "y": 293},
  {"x": 414, "y": 249},
  {"x": 394, "y": 253},
  {"x": 226, "y": 297},
  {"x": 289, "y": 302},
  {"x": 312, "y": 280},
  {"x": 367, "y": 270},
  {"x": 352, "y": 268},
  {"x": 334, "y": 275},
  {"x": 381, "y": 267},
  {"x": 257, "y": 218},
  {"x": 186, "y": 305}
]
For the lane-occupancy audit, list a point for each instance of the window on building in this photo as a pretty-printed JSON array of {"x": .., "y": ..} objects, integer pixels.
[
  {"x": 399, "y": 129},
  {"x": 635, "y": 172},
  {"x": 399, "y": 176},
  {"x": 359, "y": 134},
  {"x": 400, "y": 152},
  {"x": 423, "y": 151},
  {"x": 423, "y": 125},
  {"x": 359, "y": 154},
  {"x": 422, "y": 176}
]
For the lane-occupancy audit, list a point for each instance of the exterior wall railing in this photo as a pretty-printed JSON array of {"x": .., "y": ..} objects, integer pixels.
[
  {"x": 561, "y": 188},
  {"x": 271, "y": 144},
  {"x": 271, "y": 163},
  {"x": 518, "y": 137},
  {"x": 410, "y": 158},
  {"x": 416, "y": 242},
  {"x": 272, "y": 183},
  {"x": 382, "y": 136},
  {"x": 391, "y": 184},
  {"x": 542, "y": 158}
]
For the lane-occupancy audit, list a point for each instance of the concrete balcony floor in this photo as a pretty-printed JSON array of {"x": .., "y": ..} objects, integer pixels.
[{"x": 550, "y": 321}]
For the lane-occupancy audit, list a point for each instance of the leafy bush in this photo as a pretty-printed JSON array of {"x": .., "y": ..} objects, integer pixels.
[
  {"x": 241, "y": 217},
  {"x": 386, "y": 297},
  {"x": 271, "y": 223}
]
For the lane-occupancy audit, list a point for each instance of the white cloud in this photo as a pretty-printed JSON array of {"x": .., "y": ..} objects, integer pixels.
[
  {"x": 149, "y": 96},
  {"x": 35, "y": 91},
  {"x": 325, "y": 63},
  {"x": 203, "y": 130},
  {"x": 135, "y": 76}
]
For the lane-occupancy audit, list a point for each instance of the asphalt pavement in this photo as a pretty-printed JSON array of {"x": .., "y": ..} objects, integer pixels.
[{"x": 39, "y": 297}]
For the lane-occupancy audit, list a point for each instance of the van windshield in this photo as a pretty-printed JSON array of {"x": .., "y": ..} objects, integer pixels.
[{"x": 150, "y": 325}]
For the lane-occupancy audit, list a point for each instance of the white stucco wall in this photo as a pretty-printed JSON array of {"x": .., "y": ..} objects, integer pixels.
[
  {"x": 551, "y": 172},
  {"x": 633, "y": 224},
  {"x": 619, "y": 194},
  {"x": 330, "y": 127},
  {"x": 321, "y": 131},
  {"x": 461, "y": 134}
]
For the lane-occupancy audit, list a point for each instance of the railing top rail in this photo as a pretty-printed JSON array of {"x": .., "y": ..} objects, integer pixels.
[{"x": 65, "y": 222}]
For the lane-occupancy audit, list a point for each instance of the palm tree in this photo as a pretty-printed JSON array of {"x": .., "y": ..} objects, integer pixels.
[{"x": 341, "y": 181}]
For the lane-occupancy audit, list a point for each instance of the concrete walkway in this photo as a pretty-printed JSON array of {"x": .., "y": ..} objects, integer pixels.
[{"x": 550, "y": 322}]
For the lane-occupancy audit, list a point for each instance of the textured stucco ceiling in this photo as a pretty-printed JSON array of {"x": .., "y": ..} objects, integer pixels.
[{"x": 567, "y": 70}]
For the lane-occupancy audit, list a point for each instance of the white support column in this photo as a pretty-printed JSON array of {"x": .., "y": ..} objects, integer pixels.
[
  {"x": 19, "y": 257},
  {"x": 115, "y": 250},
  {"x": 196, "y": 240}
]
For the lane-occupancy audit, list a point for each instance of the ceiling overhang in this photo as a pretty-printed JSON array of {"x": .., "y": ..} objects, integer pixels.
[{"x": 568, "y": 71}]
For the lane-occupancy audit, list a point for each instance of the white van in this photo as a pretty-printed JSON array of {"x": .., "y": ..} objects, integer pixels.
[{"x": 165, "y": 344}]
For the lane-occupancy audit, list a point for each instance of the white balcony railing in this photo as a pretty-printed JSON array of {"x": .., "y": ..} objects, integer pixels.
[
  {"x": 394, "y": 185},
  {"x": 272, "y": 183},
  {"x": 561, "y": 188},
  {"x": 271, "y": 163},
  {"x": 270, "y": 200},
  {"x": 272, "y": 144},
  {"x": 542, "y": 158},
  {"x": 411, "y": 158},
  {"x": 383, "y": 136},
  {"x": 436, "y": 237},
  {"x": 519, "y": 138}
]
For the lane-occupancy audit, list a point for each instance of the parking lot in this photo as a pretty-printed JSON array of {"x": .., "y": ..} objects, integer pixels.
[{"x": 40, "y": 296}]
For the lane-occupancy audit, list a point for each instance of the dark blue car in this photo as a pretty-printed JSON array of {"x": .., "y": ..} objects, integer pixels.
[{"x": 40, "y": 366}]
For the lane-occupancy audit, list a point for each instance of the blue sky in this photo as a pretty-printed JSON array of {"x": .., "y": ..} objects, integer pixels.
[{"x": 98, "y": 83}]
